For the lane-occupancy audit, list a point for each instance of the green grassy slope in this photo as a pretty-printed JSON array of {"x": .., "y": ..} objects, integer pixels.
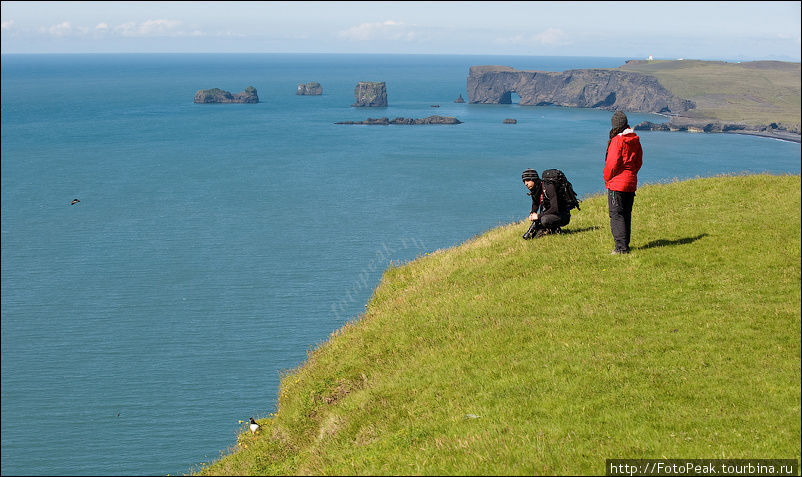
[
  {"x": 549, "y": 356},
  {"x": 759, "y": 92}
]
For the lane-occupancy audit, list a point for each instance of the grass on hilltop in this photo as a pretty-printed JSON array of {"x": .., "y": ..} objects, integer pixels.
[
  {"x": 505, "y": 356},
  {"x": 759, "y": 92}
]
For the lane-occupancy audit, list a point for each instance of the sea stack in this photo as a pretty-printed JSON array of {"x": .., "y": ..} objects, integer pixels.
[
  {"x": 309, "y": 89},
  {"x": 217, "y": 95},
  {"x": 408, "y": 121},
  {"x": 370, "y": 94},
  {"x": 459, "y": 100}
]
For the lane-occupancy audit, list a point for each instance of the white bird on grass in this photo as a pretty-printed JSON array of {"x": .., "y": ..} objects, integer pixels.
[{"x": 254, "y": 427}]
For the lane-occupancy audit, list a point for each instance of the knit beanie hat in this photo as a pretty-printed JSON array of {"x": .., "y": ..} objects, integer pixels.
[
  {"x": 619, "y": 120},
  {"x": 529, "y": 175}
]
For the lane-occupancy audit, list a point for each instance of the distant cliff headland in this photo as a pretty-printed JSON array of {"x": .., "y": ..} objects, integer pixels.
[
  {"x": 594, "y": 88},
  {"x": 761, "y": 98}
]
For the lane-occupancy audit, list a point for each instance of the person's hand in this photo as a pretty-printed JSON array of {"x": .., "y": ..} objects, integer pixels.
[{"x": 533, "y": 216}]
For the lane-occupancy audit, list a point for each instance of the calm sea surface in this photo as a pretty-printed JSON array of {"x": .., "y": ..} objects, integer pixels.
[{"x": 213, "y": 245}]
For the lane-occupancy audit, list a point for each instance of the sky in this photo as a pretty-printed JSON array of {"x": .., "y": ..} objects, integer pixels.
[{"x": 730, "y": 31}]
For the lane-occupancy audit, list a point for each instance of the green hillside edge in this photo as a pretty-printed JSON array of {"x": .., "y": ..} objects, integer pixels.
[
  {"x": 505, "y": 356},
  {"x": 756, "y": 92}
]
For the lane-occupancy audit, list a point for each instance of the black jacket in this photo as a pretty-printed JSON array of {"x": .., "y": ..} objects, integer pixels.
[{"x": 546, "y": 200}]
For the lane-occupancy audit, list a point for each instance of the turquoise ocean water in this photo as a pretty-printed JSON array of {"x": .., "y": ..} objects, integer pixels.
[{"x": 213, "y": 245}]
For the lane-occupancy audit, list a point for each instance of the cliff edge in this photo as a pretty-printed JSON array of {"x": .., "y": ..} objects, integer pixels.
[
  {"x": 759, "y": 97},
  {"x": 591, "y": 88},
  {"x": 451, "y": 369}
]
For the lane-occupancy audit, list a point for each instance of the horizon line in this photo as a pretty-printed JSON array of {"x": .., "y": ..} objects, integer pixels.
[{"x": 375, "y": 54}]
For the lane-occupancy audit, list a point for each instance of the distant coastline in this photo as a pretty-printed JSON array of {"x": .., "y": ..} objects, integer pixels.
[
  {"x": 700, "y": 126},
  {"x": 697, "y": 96},
  {"x": 793, "y": 139}
]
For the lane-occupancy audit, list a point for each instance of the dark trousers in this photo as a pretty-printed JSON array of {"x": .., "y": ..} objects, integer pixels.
[
  {"x": 551, "y": 221},
  {"x": 620, "y": 206}
]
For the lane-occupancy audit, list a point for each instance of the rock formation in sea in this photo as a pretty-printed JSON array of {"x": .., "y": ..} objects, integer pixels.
[
  {"x": 310, "y": 89},
  {"x": 587, "y": 88},
  {"x": 217, "y": 95},
  {"x": 370, "y": 94},
  {"x": 410, "y": 121},
  {"x": 459, "y": 100}
]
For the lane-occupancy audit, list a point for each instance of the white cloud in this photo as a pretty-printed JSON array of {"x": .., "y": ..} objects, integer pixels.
[
  {"x": 158, "y": 27},
  {"x": 788, "y": 36},
  {"x": 149, "y": 28},
  {"x": 126, "y": 29},
  {"x": 512, "y": 40},
  {"x": 230, "y": 34},
  {"x": 61, "y": 30},
  {"x": 386, "y": 30},
  {"x": 551, "y": 36}
]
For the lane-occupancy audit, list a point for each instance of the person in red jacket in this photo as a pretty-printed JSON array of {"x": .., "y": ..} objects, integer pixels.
[{"x": 623, "y": 160}]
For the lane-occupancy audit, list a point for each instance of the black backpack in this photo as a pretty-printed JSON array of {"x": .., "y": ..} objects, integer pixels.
[{"x": 565, "y": 191}]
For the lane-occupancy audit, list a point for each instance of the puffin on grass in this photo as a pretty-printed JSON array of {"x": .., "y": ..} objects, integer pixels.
[{"x": 254, "y": 427}]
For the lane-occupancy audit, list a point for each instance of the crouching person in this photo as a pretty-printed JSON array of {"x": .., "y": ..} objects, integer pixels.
[{"x": 547, "y": 214}]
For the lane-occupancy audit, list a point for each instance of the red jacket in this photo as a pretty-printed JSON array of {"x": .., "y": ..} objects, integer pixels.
[{"x": 624, "y": 158}]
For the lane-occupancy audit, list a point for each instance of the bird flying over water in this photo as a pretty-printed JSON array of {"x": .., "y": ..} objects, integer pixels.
[{"x": 254, "y": 427}]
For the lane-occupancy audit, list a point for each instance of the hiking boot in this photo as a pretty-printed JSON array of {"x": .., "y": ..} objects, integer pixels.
[
  {"x": 619, "y": 252},
  {"x": 535, "y": 231},
  {"x": 541, "y": 232}
]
